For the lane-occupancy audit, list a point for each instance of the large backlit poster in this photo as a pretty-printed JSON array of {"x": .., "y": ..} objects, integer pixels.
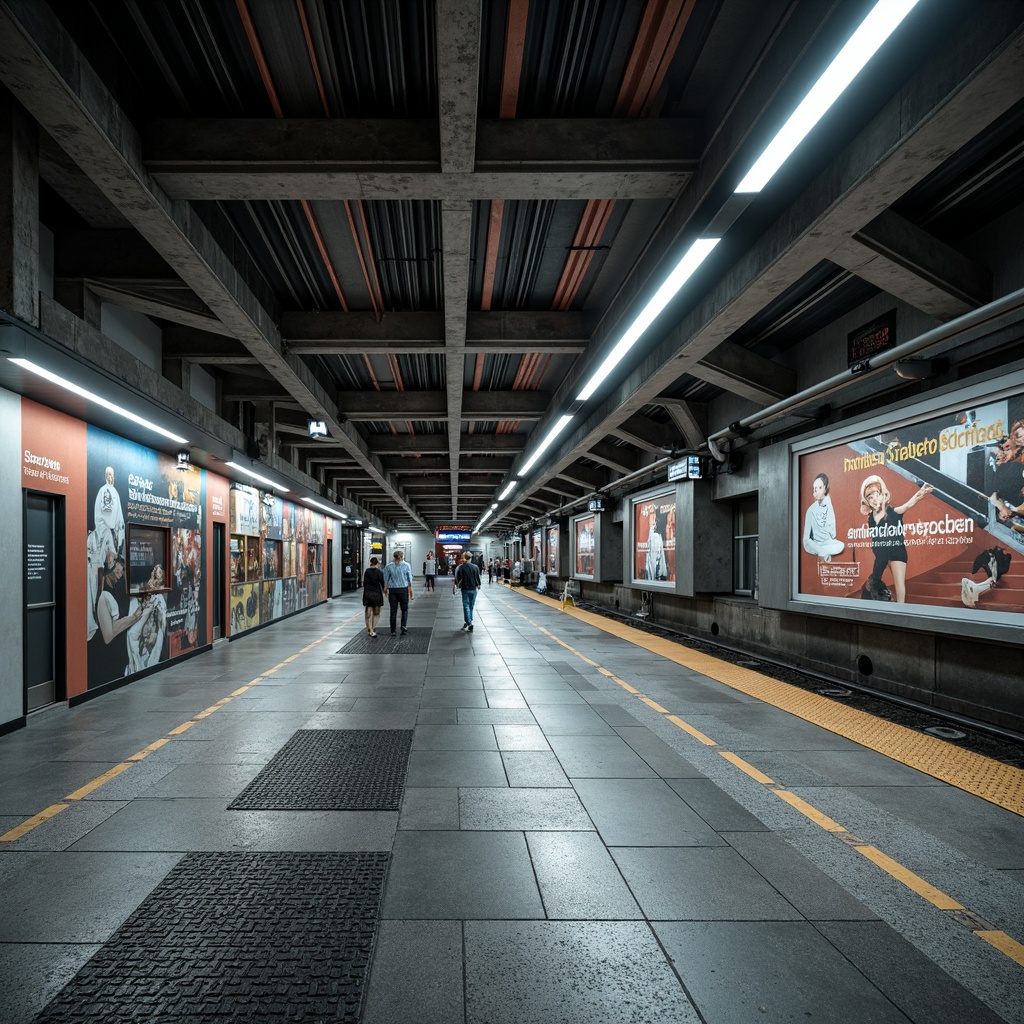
[
  {"x": 654, "y": 538},
  {"x": 928, "y": 512},
  {"x": 583, "y": 546},
  {"x": 552, "y": 552},
  {"x": 131, "y": 485},
  {"x": 536, "y": 553}
]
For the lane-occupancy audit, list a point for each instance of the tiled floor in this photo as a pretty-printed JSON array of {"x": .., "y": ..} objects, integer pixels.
[{"x": 563, "y": 852}]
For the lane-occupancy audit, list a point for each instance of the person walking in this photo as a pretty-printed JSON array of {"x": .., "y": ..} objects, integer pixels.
[
  {"x": 374, "y": 592},
  {"x": 429, "y": 570},
  {"x": 467, "y": 579},
  {"x": 490, "y": 571},
  {"x": 398, "y": 580}
]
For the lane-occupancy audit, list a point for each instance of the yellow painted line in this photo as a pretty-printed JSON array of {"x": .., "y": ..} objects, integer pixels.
[
  {"x": 89, "y": 787},
  {"x": 809, "y": 811},
  {"x": 686, "y": 727},
  {"x": 653, "y": 704},
  {"x": 998, "y": 783},
  {"x": 747, "y": 768},
  {"x": 625, "y": 685},
  {"x": 26, "y": 826},
  {"x": 292, "y": 658},
  {"x": 181, "y": 728},
  {"x": 242, "y": 689},
  {"x": 223, "y": 701},
  {"x": 146, "y": 751},
  {"x": 915, "y": 882},
  {"x": 209, "y": 711},
  {"x": 1011, "y": 947}
]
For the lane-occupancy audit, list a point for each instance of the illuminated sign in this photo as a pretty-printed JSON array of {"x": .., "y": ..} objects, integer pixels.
[
  {"x": 316, "y": 428},
  {"x": 595, "y": 505},
  {"x": 453, "y": 534}
]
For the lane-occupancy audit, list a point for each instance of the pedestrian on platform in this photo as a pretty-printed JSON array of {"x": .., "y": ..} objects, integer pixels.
[
  {"x": 398, "y": 579},
  {"x": 429, "y": 570},
  {"x": 374, "y": 592},
  {"x": 467, "y": 579}
]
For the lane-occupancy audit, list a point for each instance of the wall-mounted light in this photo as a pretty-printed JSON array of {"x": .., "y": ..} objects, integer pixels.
[
  {"x": 919, "y": 369},
  {"x": 316, "y": 428},
  {"x": 75, "y": 389},
  {"x": 184, "y": 460}
]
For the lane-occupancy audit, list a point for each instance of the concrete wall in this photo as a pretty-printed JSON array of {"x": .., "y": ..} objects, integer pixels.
[{"x": 12, "y": 691}]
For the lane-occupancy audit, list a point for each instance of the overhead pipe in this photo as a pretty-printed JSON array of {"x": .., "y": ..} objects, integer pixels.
[{"x": 1011, "y": 303}]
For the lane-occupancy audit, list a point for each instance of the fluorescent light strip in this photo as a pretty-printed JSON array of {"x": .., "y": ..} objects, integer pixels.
[
  {"x": 545, "y": 444},
  {"x": 880, "y": 23},
  {"x": 256, "y": 476},
  {"x": 509, "y": 488},
  {"x": 27, "y": 364},
  {"x": 692, "y": 259},
  {"x": 327, "y": 509}
]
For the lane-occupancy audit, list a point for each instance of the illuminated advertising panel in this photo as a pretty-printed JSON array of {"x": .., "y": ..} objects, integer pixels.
[
  {"x": 654, "y": 538},
  {"x": 583, "y": 546},
  {"x": 927, "y": 512},
  {"x": 453, "y": 534},
  {"x": 552, "y": 552}
]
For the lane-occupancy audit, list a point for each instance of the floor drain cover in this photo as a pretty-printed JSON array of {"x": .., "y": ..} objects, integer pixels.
[
  {"x": 332, "y": 770},
  {"x": 945, "y": 733},
  {"x": 835, "y": 691},
  {"x": 255, "y": 937},
  {"x": 749, "y": 664},
  {"x": 416, "y": 641}
]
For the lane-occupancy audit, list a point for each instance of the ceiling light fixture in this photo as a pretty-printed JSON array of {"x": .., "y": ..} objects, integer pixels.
[
  {"x": 256, "y": 476},
  {"x": 563, "y": 422},
  {"x": 880, "y": 23},
  {"x": 326, "y": 508},
  {"x": 691, "y": 260},
  {"x": 53, "y": 378},
  {"x": 509, "y": 488}
]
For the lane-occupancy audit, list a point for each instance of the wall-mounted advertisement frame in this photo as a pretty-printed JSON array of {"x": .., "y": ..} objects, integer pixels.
[
  {"x": 584, "y": 546},
  {"x": 653, "y": 538},
  {"x": 551, "y": 553},
  {"x": 920, "y": 513}
]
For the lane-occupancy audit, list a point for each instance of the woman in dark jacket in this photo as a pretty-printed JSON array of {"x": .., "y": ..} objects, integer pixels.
[{"x": 374, "y": 592}]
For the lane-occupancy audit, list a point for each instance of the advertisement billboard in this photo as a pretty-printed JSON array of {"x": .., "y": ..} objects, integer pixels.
[
  {"x": 928, "y": 512},
  {"x": 551, "y": 565},
  {"x": 583, "y": 546},
  {"x": 654, "y": 538}
]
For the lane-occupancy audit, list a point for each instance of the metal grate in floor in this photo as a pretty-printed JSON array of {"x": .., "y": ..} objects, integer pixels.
[
  {"x": 332, "y": 770},
  {"x": 255, "y": 937},
  {"x": 416, "y": 641}
]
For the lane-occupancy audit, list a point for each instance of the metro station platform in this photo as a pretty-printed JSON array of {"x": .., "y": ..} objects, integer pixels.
[{"x": 554, "y": 818}]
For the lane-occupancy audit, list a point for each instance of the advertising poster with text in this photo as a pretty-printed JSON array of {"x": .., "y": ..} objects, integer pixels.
[
  {"x": 930, "y": 513},
  {"x": 584, "y": 546},
  {"x": 145, "y": 610},
  {"x": 654, "y": 538},
  {"x": 552, "y": 561}
]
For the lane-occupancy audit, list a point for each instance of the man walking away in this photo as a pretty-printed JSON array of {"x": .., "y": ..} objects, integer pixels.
[
  {"x": 398, "y": 577},
  {"x": 429, "y": 570},
  {"x": 467, "y": 579}
]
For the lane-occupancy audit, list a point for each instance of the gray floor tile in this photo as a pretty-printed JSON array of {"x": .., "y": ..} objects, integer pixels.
[
  {"x": 715, "y": 806},
  {"x": 505, "y": 699},
  {"x": 497, "y": 716},
  {"x": 75, "y": 897},
  {"x": 578, "y": 972},
  {"x": 184, "y": 824},
  {"x": 598, "y": 757},
  {"x": 416, "y": 977},
  {"x": 454, "y": 737},
  {"x": 862, "y": 768},
  {"x": 699, "y": 884},
  {"x": 520, "y": 737},
  {"x": 642, "y": 812},
  {"x": 536, "y": 768},
  {"x": 749, "y": 971},
  {"x": 434, "y": 808},
  {"x": 34, "y": 973},
  {"x": 578, "y": 878},
  {"x": 456, "y": 768},
  {"x": 523, "y": 810},
  {"x": 461, "y": 876},
  {"x": 665, "y": 761},
  {"x": 559, "y": 720},
  {"x": 813, "y": 893},
  {"x": 453, "y": 698}
]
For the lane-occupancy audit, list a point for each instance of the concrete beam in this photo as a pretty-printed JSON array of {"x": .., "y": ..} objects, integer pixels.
[
  {"x": 333, "y": 333},
  {"x": 741, "y": 372},
  {"x": 644, "y": 433},
  {"x": 622, "y": 460},
  {"x": 434, "y": 444},
  {"x": 456, "y": 158},
  {"x": 19, "y": 211},
  {"x": 690, "y": 418},
  {"x": 908, "y": 262}
]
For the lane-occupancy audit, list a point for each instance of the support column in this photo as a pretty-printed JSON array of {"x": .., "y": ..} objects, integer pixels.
[{"x": 19, "y": 211}]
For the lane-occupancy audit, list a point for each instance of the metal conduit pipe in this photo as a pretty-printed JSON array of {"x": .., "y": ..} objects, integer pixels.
[{"x": 1008, "y": 304}]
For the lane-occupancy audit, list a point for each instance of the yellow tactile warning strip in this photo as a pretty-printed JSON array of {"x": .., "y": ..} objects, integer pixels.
[
  {"x": 30, "y": 823},
  {"x": 708, "y": 666},
  {"x": 1000, "y": 784}
]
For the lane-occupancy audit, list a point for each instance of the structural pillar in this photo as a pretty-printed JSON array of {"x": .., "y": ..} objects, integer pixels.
[{"x": 19, "y": 211}]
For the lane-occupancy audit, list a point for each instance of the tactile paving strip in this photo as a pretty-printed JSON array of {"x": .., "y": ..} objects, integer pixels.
[
  {"x": 255, "y": 937},
  {"x": 416, "y": 641},
  {"x": 332, "y": 770}
]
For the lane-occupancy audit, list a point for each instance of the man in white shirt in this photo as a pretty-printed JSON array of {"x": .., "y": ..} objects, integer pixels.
[{"x": 398, "y": 577}]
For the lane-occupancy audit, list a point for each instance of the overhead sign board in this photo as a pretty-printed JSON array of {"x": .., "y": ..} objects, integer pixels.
[{"x": 453, "y": 534}]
